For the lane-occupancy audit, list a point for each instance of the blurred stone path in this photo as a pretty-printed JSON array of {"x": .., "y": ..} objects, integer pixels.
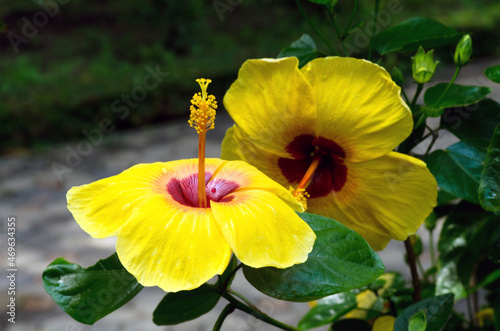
[{"x": 33, "y": 192}]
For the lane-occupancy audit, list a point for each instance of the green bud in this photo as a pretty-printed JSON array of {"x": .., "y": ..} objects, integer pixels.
[
  {"x": 423, "y": 65},
  {"x": 463, "y": 51},
  {"x": 397, "y": 76}
]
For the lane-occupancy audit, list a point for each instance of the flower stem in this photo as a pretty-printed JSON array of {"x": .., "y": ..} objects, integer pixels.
[
  {"x": 377, "y": 5},
  {"x": 346, "y": 30},
  {"x": 420, "y": 86},
  {"x": 242, "y": 298},
  {"x": 225, "y": 313},
  {"x": 432, "y": 249},
  {"x": 337, "y": 31},
  {"x": 202, "y": 196},
  {"x": 413, "y": 270},
  {"x": 315, "y": 28},
  {"x": 457, "y": 70},
  {"x": 256, "y": 313}
]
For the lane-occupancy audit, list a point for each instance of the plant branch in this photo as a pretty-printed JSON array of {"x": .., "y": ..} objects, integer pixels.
[
  {"x": 420, "y": 86},
  {"x": 225, "y": 313},
  {"x": 315, "y": 28},
  {"x": 413, "y": 269},
  {"x": 377, "y": 5},
  {"x": 457, "y": 70},
  {"x": 351, "y": 19},
  {"x": 252, "y": 311}
]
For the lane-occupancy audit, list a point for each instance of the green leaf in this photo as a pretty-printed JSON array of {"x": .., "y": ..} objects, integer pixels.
[
  {"x": 457, "y": 230},
  {"x": 341, "y": 260},
  {"x": 489, "y": 184},
  {"x": 476, "y": 121},
  {"x": 304, "y": 49},
  {"x": 456, "y": 96},
  {"x": 437, "y": 310},
  {"x": 418, "y": 322},
  {"x": 89, "y": 294},
  {"x": 493, "y": 73},
  {"x": 329, "y": 310},
  {"x": 491, "y": 278},
  {"x": 184, "y": 306},
  {"x": 233, "y": 263},
  {"x": 415, "y": 32},
  {"x": 3, "y": 26},
  {"x": 478, "y": 246},
  {"x": 458, "y": 169}
]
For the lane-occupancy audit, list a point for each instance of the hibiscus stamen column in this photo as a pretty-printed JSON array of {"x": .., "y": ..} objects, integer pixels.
[
  {"x": 300, "y": 192},
  {"x": 202, "y": 118}
]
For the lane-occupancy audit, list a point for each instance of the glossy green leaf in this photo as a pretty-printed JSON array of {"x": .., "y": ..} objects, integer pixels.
[
  {"x": 456, "y": 96},
  {"x": 341, "y": 260},
  {"x": 418, "y": 322},
  {"x": 481, "y": 241},
  {"x": 89, "y": 294},
  {"x": 458, "y": 169},
  {"x": 329, "y": 310},
  {"x": 448, "y": 280},
  {"x": 415, "y": 32},
  {"x": 184, "y": 306},
  {"x": 489, "y": 185},
  {"x": 304, "y": 49},
  {"x": 493, "y": 73},
  {"x": 437, "y": 310},
  {"x": 457, "y": 230},
  {"x": 445, "y": 197},
  {"x": 477, "y": 122}
]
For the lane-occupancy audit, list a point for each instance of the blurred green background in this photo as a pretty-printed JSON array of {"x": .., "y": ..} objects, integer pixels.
[{"x": 67, "y": 74}]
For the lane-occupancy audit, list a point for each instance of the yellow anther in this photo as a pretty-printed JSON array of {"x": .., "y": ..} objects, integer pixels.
[
  {"x": 202, "y": 108},
  {"x": 300, "y": 195}
]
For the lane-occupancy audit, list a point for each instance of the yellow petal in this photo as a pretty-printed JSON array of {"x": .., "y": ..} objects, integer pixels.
[
  {"x": 384, "y": 323},
  {"x": 364, "y": 301},
  {"x": 102, "y": 207},
  {"x": 383, "y": 199},
  {"x": 272, "y": 103},
  {"x": 262, "y": 230},
  {"x": 248, "y": 176},
  {"x": 359, "y": 106},
  {"x": 173, "y": 248}
]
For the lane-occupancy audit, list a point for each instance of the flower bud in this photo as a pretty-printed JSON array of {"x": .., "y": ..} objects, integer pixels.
[
  {"x": 423, "y": 65},
  {"x": 463, "y": 51}
]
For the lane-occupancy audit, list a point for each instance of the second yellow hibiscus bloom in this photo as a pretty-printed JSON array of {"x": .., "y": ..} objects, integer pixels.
[{"x": 342, "y": 118}]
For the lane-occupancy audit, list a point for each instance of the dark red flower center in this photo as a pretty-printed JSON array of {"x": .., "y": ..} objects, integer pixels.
[
  {"x": 331, "y": 173},
  {"x": 185, "y": 190}
]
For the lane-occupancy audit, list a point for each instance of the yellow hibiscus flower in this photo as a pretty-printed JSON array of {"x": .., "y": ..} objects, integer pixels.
[
  {"x": 177, "y": 234},
  {"x": 165, "y": 239},
  {"x": 331, "y": 128}
]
